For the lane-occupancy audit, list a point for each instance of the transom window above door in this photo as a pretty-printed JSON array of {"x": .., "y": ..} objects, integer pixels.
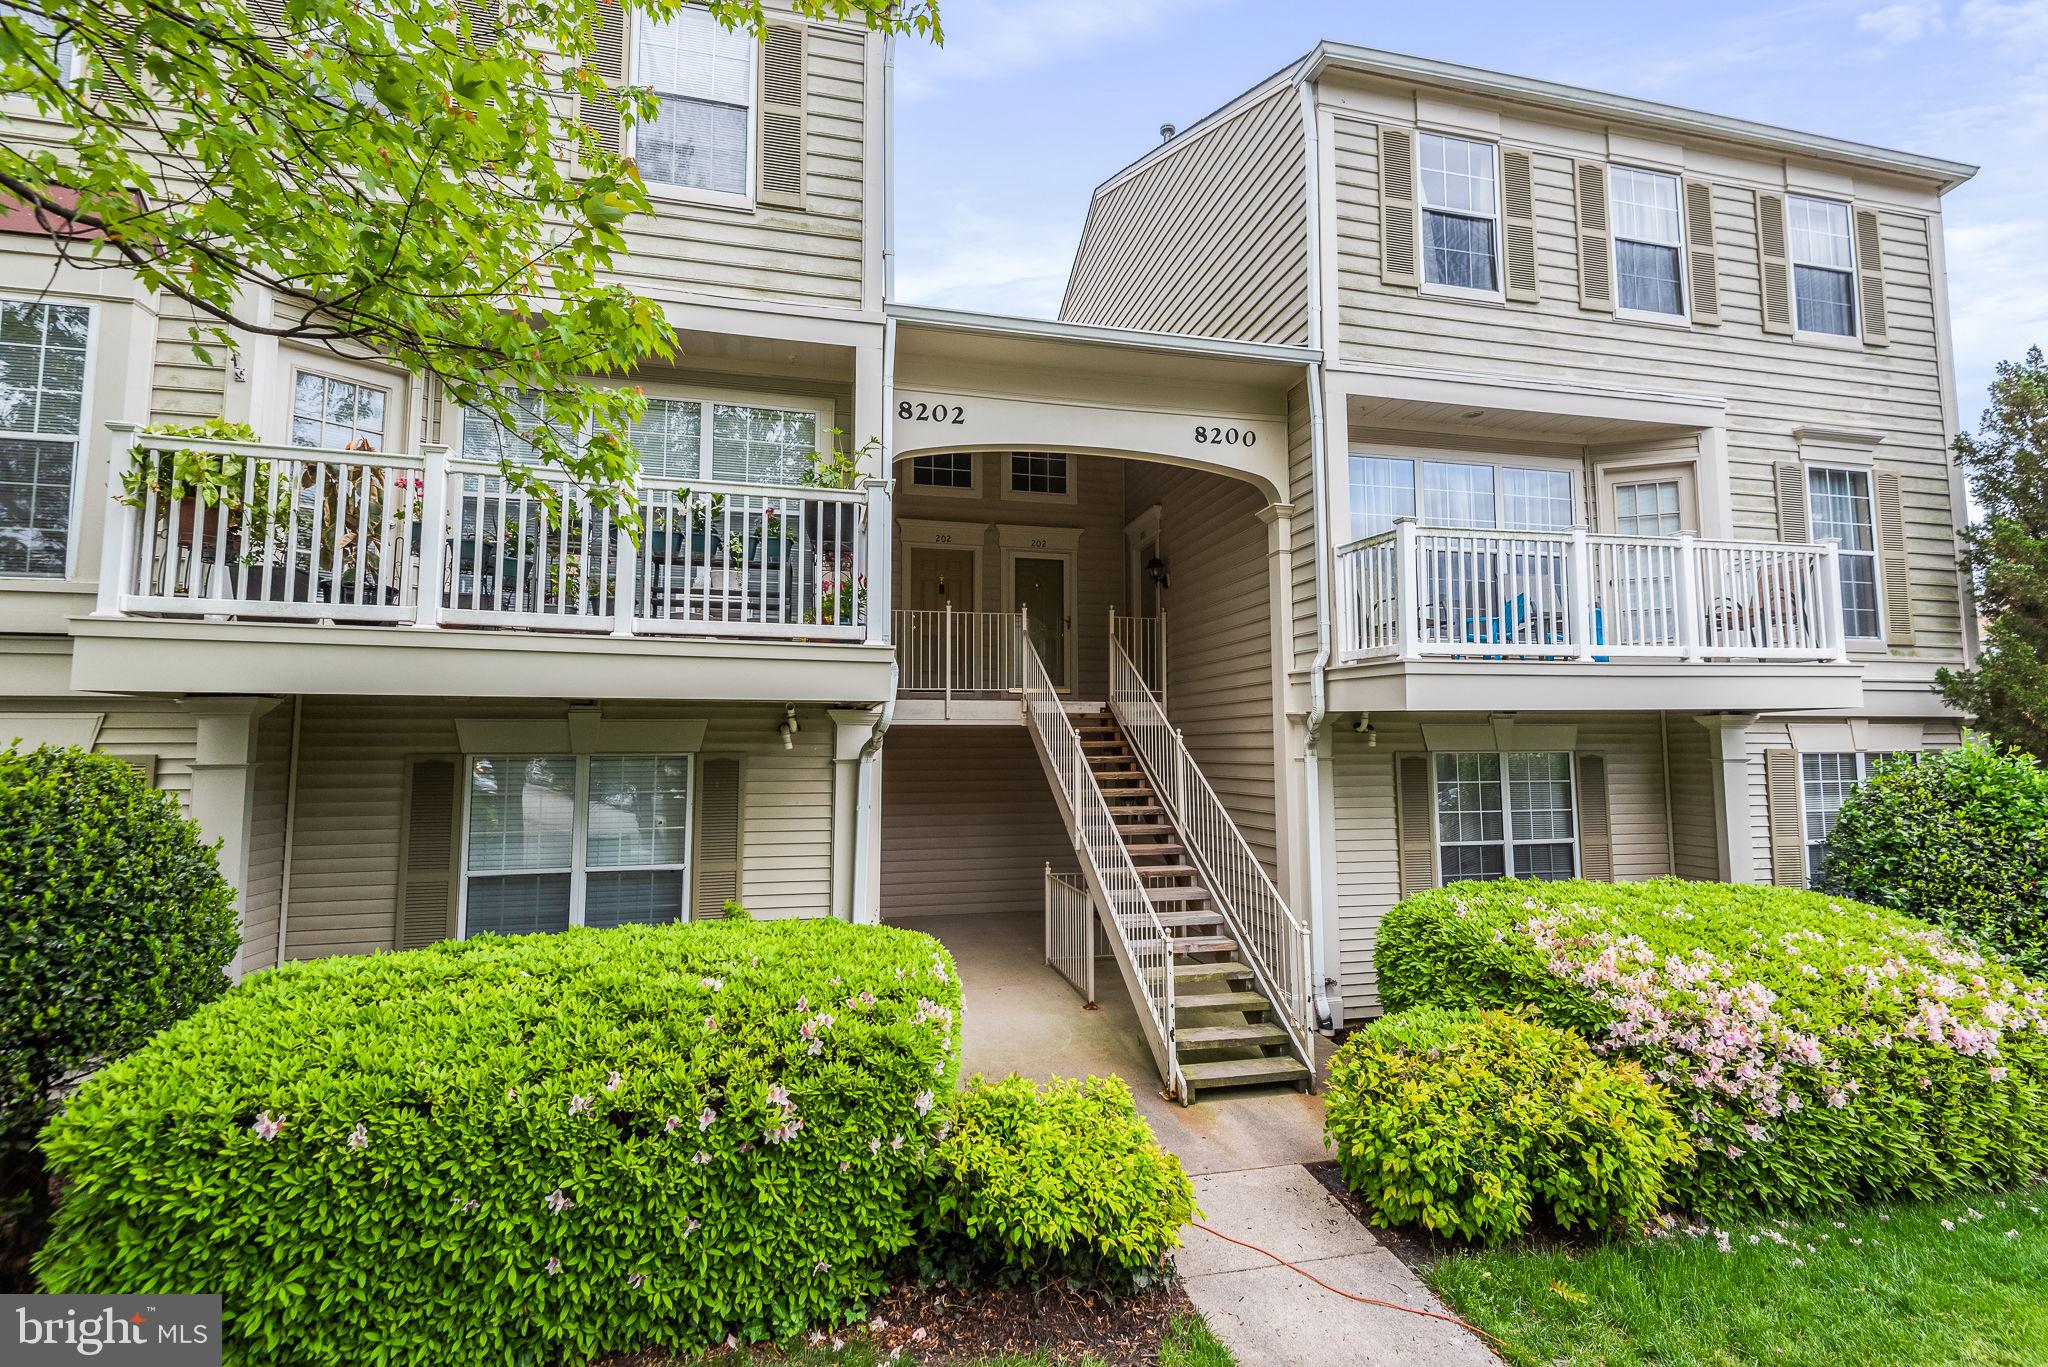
[
  {"x": 1648, "y": 241},
  {"x": 338, "y": 414},
  {"x": 702, "y": 74},
  {"x": 953, "y": 470},
  {"x": 1460, "y": 214},
  {"x": 1458, "y": 494},
  {"x": 1648, "y": 508}
]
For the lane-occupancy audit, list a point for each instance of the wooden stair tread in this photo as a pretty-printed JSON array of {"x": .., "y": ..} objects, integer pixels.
[
  {"x": 1177, "y": 894},
  {"x": 1205, "y": 944},
  {"x": 1219, "y": 1036},
  {"x": 1221, "y": 1001},
  {"x": 1227, "y": 1072},
  {"x": 1175, "y": 919},
  {"x": 1227, "y": 969},
  {"x": 1165, "y": 870}
]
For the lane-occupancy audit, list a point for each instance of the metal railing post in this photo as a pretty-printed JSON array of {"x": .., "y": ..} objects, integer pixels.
[
  {"x": 435, "y": 541},
  {"x": 118, "y": 528}
]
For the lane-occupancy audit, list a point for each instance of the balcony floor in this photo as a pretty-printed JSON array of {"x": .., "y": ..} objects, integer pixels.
[{"x": 1476, "y": 685}]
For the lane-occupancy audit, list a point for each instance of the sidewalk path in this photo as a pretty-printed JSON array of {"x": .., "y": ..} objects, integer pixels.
[{"x": 1271, "y": 1316}]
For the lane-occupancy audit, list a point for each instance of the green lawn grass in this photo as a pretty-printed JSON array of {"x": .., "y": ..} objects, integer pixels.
[{"x": 1963, "y": 1281}]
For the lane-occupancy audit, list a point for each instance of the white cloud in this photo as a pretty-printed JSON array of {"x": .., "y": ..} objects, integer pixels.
[
  {"x": 1905, "y": 22},
  {"x": 2010, "y": 21},
  {"x": 989, "y": 263},
  {"x": 992, "y": 39}
]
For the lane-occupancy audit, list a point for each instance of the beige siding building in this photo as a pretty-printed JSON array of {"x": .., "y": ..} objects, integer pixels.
[{"x": 1434, "y": 474}]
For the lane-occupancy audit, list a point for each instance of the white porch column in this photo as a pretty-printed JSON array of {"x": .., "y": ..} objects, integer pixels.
[
  {"x": 223, "y": 796},
  {"x": 851, "y": 826},
  {"x": 1732, "y": 827}
]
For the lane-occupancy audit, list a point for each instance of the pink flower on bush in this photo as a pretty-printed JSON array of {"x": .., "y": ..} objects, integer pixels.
[
  {"x": 359, "y": 1137},
  {"x": 557, "y": 1201},
  {"x": 579, "y": 1104},
  {"x": 266, "y": 1128},
  {"x": 706, "y": 1119}
]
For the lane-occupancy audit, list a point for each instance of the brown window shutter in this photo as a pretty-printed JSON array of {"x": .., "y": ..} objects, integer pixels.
[
  {"x": 782, "y": 115},
  {"x": 1870, "y": 279},
  {"x": 1773, "y": 261},
  {"x": 1788, "y": 818},
  {"x": 1596, "y": 245},
  {"x": 1793, "y": 527},
  {"x": 1400, "y": 247},
  {"x": 1417, "y": 826},
  {"x": 1518, "y": 224},
  {"x": 600, "y": 112},
  {"x": 1703, "y": 260},
  {"x": 1891, "y": 554},
  {"x": 483, "y": 22},
  {"x": 1596, "y": 824},
  {"x": 715, "y": 863},
  {"x": 426, "y": 853},
  {"x": 270, "y": 22}
]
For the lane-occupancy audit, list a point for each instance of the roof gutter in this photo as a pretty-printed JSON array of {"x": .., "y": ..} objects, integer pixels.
[{"x": 1328, "y": 1009}]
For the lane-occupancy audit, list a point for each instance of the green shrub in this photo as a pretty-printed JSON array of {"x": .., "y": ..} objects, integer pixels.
[
  {"x": 1958, "y": 837},
  {"x": 1819, "y": 1052},
  {"x": 114, "y": 922},
  {"x": 1473, "y": 1122},
  {"x": 536, "y": 1149},
  {"x": 1066, "y": 1181}
]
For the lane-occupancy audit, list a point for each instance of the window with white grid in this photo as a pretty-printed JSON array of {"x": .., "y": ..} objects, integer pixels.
[
  {"x": 42, "y": 424},
  {"x": 553, "y": 841},
  {"x": 1648, "y": 240},
  {"x": 1038, "y": 472},
  {"x": 1823, "y": 265},
  {"x": 1455, "y": 494},
  {"x": 752, "y": 445},
  {"x": 1505, "y": 815},
  {"x": 702, "y": 74},
  {"x": 1382, "y": 489},
  {"x": 670, "y": 438},
  {"x": 1460, "y": 213},
  {"x": 1825, "y": 782},
  {"x": 1839, "y": 503},
  {"x": 1647, "y": 508},
  {"x": 1536, "y": 500},
  {"x": 338, "y": 414},
  {"x": 953, "y": 470}
]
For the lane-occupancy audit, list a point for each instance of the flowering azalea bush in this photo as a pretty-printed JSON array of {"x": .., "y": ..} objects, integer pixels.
[
  {"x": 1060, "y": 1182},
  {"x": 537, "y": 1149},
  {"x": 1473, "y": 1122},
  {"x": 1819, "y": 1051}
]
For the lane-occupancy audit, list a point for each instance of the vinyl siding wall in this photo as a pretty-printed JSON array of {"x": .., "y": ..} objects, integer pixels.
[
  {"x": 352, "y": 790},
  {"x": 1302, "y": 494},
  {"x": 1210, "y": 238},
  {"x": 184, "y": 388},
  {"x": 808, "y": 256},
  {"x": 1774, "y": 385},
  {"x": 1219, "y": 638},
  {"x": 1368, "y": 876},
  {"x": 260, "y": 898},
  {"x": 968, "y": 823}
]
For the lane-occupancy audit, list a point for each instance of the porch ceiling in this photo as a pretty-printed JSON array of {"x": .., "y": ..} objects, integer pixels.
[{"x": 1590, "y": 415}]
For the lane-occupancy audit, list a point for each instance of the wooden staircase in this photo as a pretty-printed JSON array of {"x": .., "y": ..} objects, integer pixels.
[{"x": 1227, "y": 1032}]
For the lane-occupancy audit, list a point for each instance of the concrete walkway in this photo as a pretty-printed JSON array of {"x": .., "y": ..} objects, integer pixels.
[{"x": 1245, "y": 1150}]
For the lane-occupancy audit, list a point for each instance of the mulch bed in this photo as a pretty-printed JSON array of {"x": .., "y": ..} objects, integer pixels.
[
  {"x": 938, "y": 1325},
  {"x": 1420, "y": 1247}
]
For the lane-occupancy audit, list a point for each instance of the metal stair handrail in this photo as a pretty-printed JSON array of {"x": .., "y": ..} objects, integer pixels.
[
  {"x": 1274, "y": 941},
  {"x": 1104, "y": 857}
]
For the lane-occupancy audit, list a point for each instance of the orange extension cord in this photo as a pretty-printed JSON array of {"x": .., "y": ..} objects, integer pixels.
[{"x": 1363, "y": 1300}]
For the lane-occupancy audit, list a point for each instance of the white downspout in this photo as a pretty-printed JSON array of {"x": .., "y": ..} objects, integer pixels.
[{"x": 1318, "y": 895}]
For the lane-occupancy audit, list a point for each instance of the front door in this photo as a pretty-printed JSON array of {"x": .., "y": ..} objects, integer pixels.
[
  {"x": 940, "y": 577},
  {"x": 1039, "y": 590},
  {"x": 935, "y": 651}
]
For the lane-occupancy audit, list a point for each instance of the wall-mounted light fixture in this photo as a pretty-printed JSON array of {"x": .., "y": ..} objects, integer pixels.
[
  {"x": 1363, "y": 726},
  {"x": 788, "y": 726},
  {"x": 1157, "y": 569}
]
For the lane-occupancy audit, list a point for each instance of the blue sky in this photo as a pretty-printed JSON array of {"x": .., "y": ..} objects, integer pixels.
[{"x": 1003, "y": 132}]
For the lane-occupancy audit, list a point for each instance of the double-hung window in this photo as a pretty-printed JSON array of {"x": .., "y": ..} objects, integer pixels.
[
  {"x": 702, "y": 75},
  {"x": 42, "y": 426},
  {"x": 1839, "y": 504},
  {"x": 1823, "y": 265},
  {"x": 554, "y": 841},
  {"x": 1507, "y": 815},
  {"x": 1460, "y": 214},
  {"x": 1825, "y": 782},
  {"x": 338, "y": 414},
  {"x": 1648, "y": 241},
  {"x": 1458, "y": 494}
]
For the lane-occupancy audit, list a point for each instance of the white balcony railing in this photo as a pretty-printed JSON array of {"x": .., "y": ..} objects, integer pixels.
[
  {"x": 247, "y": 531},
  {"x": 1417, "y": 592}
]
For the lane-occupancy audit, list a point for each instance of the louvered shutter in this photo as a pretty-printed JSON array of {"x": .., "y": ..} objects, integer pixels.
[
  {"x": 600, "y": 111},
  {"x": 1703, "y": 259},
  {"x": 1417, "y": 822},
  {"x": 1793, "y": 527},
  {"x": 1518, "y": 224},
  {"x": 1596, "y": 245},
  {"x": 715, "y": 863},
  {"x": 1400, "y": 250},
  {"x": 1773, "y": 262},
  {"x": 782, "y": 115},
  {"x": 1787, "y": 818},
  {"x": 483, "y": 22},
  {"x": 1891, "y": 552},
  {"x": 1870, "y": 279},
  {"x": 1596, "y": 825},
  {"x": 267, "y": 17},
  {"x": 426, "y": 855}
]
